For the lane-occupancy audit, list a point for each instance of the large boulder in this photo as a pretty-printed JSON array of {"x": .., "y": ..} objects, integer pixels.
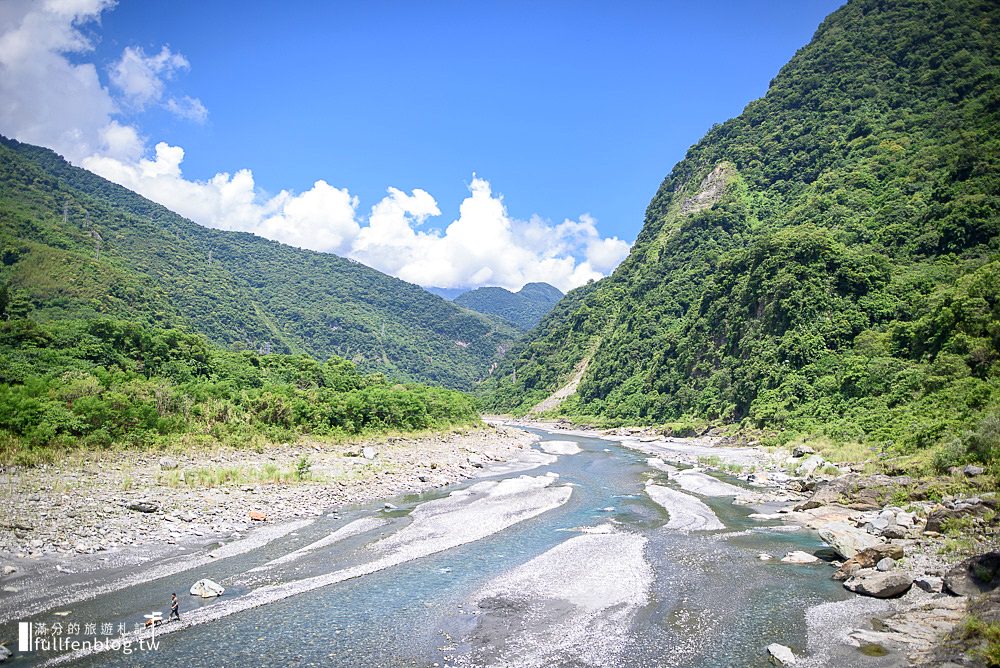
[
  {"x": 5, "y": 654},
  {"x": 168, "y": 463},
  {"x": 779, "y": 655},
  {"x": 809, "y": 465},
  {"x": 207, "y": 588},
  {"x": 974, "y": 576},
  {"x": 799, "y": 557},
  {"x": 868, "y": 558},
  {"x": 879, "y": 585},
  {"x": 847, "y": 540}
]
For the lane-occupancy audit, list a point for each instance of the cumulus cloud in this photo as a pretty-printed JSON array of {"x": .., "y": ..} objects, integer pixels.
[
  {"x": 483, "y": 245},
  {"x": 37, "y": 79}
]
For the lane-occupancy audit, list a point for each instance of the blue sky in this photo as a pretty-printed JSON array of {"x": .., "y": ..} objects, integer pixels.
[{"x": 564, "y": 108}]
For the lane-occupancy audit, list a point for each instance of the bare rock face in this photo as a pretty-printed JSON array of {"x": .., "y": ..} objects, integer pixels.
[
  {"x": 937, "y": 520},
  {"x": 857, "y": 491},
  {"x": 879, "y": 585},
  {"x": 974, "y": 576},
  {"x": 710, "y": 191}
]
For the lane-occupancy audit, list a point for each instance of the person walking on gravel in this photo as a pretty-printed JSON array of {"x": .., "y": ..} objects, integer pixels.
[{"x": 174, "y": 608}]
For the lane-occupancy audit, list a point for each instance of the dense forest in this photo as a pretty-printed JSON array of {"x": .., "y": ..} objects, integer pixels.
[
  {"x": 522, "y": 309},
  {"x": 826, "y": 263},
  {"x": 101, "y": 382},
  {"x": 77, "y": 246}
]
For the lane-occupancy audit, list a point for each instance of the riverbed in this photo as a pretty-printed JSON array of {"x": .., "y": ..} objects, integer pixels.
[{"x": 582, "y": 553}]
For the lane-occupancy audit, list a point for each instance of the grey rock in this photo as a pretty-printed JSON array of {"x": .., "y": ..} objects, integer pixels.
[
  {"x": 168, "y": 463},
  {"x": 5, "y": 654},
  {"x": 369, "y": 453},
  {"x": 972, "y": 470},
  {"x": 930, "y": 584},
  {"x": 847, "y": 540},
  {"x": 424, "y": 478},
  {"x": 779, "y": 655},
  {"x": 206, "y": 588},
  {"x": 879, "y": 585},
  {"x": 389, "y": 506},
  {"x": 802, "y": 451},
  {"x": 975, "y": 575},
  {"x": 9, "y": 570},
  {"x": 143, "y": 506},
  {"x": 809, "y": 465},
  {"x": 885, "y": 565},
  {"x": 799, "y": 557}
]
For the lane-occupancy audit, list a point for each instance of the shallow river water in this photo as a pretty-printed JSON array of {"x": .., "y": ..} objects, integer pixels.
[{"x": 570, "y": 563}]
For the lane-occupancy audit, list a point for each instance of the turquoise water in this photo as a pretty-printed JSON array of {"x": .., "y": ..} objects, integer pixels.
[{"x": 713, "y": 603}]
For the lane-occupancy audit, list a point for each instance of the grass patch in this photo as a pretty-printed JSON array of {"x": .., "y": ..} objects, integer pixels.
[
  {"x": 987, "y": 635},
  {"x": 221, "y": 476}
]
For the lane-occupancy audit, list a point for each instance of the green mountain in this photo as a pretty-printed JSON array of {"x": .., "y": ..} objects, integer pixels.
[
  {"x": 827, "y": 262},
  {"x": 523, "y": 309},
  {"x": 75, "y": 245}
]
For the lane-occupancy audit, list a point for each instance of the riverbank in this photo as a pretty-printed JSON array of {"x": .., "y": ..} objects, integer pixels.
[
  {"x": 908, "y": 547},
  {"x": 105, "y": 511}
]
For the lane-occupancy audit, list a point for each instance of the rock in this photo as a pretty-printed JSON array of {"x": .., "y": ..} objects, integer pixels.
[
  {"x": 389, "y": 506},
  {"x": 867, "y": 558},
  {"x": 187, "y": 516},
  {"x": 799, "y": 557},
  {"x": 972, "y": 470},
  {"x": 257, "y": 516},
  {"x": 369, "y": 453},
  {"x": 859, "y": 492},
  {"x": 885, "y": 565},
  {"x": 930, "y": 584},
  {"x": 809, "y": 465},
  {"x": 206, "y": 588},
  {"x": 847, "y": 540},
  {"x": 779, "y": 655},
  {"x": 476, "y": 461},
  {"x": 764, "y": 556},
  {"x": 941, "y": 516},
  {"x": 802, "y": 451},
  {"x": 168, "y": 463},
  {"x": 424, "y": 478},
  {"x": 974, "y": 576},
  {"x": 5, "y": 654},
  {"x": 879, "y": 585},
  {"x": 9, "y": 570},
  {"x": 143, "y": 506}
]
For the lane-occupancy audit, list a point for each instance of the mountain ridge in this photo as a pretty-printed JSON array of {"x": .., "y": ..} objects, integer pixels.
[
  {"x": 239, "y": 289},
  {"x": 838, "y": 274}
]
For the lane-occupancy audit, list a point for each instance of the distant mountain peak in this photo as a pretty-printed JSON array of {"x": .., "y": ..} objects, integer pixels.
[{"x": 524, "y": 309}]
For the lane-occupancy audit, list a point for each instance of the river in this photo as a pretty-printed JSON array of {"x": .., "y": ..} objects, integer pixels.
[{"x": 569, "y": 563}]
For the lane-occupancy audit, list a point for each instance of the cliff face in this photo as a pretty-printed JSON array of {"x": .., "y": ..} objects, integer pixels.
[{"x": 824, "y": 262}]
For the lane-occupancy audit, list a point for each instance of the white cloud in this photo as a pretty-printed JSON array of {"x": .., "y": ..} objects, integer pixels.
[
  {"x": 484, "y": 245},
  {"x": 44, "y": 98},
  {"x": 141, "y": 78},
  {"x": 187, "y": 107}
]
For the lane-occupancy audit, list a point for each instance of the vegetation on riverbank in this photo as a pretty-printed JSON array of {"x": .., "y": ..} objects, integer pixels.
[
  {"x": 105, "y": 383},
  {"x": 825, "y": 265}
]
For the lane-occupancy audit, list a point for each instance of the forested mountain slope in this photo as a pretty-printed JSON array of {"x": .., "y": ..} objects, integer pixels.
[
  {"x": 826, "y": 262},
  {"x": 523, "y": 309},
  {"x": 240, "y": 290}
]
